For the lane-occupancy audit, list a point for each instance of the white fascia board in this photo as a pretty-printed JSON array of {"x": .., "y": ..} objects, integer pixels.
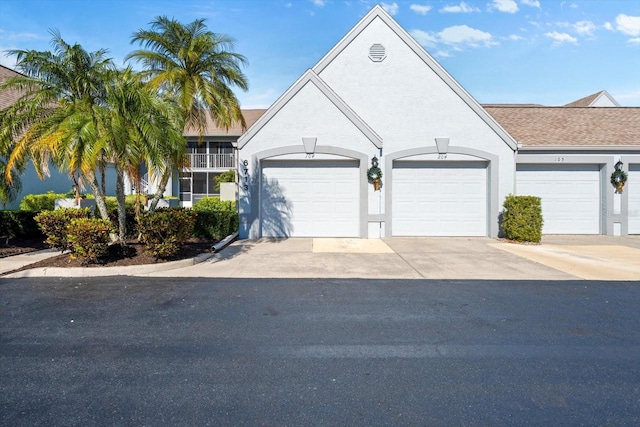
[
  {"x": 379, "y": 12},
  {"x": 310, "y": 77}
]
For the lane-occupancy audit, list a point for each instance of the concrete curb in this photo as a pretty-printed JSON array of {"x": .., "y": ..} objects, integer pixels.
[{"x": 123, "y": 271}]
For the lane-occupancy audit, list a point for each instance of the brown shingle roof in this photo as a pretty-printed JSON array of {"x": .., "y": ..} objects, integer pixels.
[
  {"x": 566, "y": 126},
  {"x": 586, "y": 101},
  {"x": 8, "y": 96},
  {"x": 250, "y": 117}
]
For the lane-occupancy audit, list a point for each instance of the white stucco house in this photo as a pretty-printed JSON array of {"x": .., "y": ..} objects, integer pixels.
[{"x": 447, "y": 161}]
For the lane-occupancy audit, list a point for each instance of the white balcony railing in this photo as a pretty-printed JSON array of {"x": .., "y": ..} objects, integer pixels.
[{"x": 212, "y": 161}]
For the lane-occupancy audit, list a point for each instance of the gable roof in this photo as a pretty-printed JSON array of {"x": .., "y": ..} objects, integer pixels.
[
  {"x": 571, "y": 126},
  {"x": 379, "y": 13},
  {"x": 8, "y": 96},
  {"x": 589, "y": 101},
  {"x": 211, "y": 129},
  {"x": 310, "y": 77}
]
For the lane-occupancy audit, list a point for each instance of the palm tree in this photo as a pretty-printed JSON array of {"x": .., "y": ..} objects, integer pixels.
[
  {"x": 141, "y": 128},
  {"x": 196, "y": 68},
  {"x": 55, "y": 120},
  {"x": 8, "y": 190}
]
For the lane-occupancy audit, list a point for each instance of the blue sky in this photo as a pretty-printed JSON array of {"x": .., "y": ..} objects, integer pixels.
[{"x": 502, "y": 51}]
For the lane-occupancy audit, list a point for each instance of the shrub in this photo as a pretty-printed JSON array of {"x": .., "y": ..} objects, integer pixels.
[
  {"x": 18, "y": 223},
  {"x": 88, "y": 238},
  {"x": 166, "y": 230},
  {"x": 228, "y": 176},
  {"x": 216, "y": 219},
  {"x": 522, "y": 218},
  {"x": 46, "y": 201},
  {"x": 40, "y": 202},
  {"x": 54, "y": 225},
  {"x": 131, "y": 223}
]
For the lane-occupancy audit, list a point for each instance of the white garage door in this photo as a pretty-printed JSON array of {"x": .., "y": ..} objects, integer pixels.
[
  {"x": 310, "y": 199},
  {"x": 633, "y": 187},
  {"x": 436, "y": 199},
  {"x": 570, "y": 196}
]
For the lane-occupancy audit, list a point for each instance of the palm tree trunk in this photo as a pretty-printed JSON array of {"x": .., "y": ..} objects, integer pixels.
[
  {"x": 76, "y": 189},
  {"x": 160, "y": 191},
  {"x": 122, "y": 213}
]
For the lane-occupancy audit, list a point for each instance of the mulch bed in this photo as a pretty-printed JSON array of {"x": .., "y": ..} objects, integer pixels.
[{"x": 132, "y": 254}]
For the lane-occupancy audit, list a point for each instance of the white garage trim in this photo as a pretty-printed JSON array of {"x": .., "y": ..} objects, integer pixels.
[
  {"x": 570, "y": 194},
  {"x": 606, "y": 214},
  {"x": 436, "y": 198},
  {"x": 491, "y": 174},
  {"x": 309, "y": 198},
  {"x": 632, "y": 190},
  {"x": 272, "y": 154}
]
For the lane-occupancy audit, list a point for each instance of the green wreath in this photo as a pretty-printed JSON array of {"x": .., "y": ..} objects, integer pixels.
[
  {"x": 618, "y": 179},
  {"x": 374, "y": 174}
]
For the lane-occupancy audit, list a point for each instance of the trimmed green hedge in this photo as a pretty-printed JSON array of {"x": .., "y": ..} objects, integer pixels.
[
  {"x": 166, "y": 230},
  {"x": 54, "y": 225},
  {"x": 47, "y": 201},
  {"x": 88, "y": 238},
  {"x": 522, "y": 218},
  {"x": 19, "y": 223},
  {"x": 41, "y": 202},
  {"x": 216, "y": 219}
]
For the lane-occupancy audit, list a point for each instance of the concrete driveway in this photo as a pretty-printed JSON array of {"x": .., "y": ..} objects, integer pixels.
[{"x": 557, "y": 258}]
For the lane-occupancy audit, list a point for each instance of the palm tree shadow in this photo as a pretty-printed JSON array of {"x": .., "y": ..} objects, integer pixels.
[{"x": 271, "y": 209}]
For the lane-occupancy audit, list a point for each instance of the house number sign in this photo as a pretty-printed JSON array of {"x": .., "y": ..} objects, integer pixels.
[{"x": 245, "y": 175}]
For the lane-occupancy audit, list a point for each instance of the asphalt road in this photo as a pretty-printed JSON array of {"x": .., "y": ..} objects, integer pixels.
[{"x": 142, "y": 351}]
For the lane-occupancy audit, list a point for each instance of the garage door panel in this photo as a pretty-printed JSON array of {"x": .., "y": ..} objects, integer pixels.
[
  {"x": 438, "y": 199},
  {"x": 633, "y": 189},
  {"x": 570, "y": 196},
  {"x": 321, "y": 198}
]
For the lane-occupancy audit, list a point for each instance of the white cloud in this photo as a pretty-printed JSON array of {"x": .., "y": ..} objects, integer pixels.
[
  {"x": 515, "y": 37},
  {"x": 7, "y": 61},
  {"x": 419, "y": 8},
  {"x": 391, "y": 9},
  {"x": 608, "y": 26},
  {"x": 319, "y": 3},
  {"x": 507, "y": 6},
  {"x": 461, "y": 8},
  {"x": 560, "y": 38},
  {"x": 442, "y": 54},
  {"x": 635, "y": 40},
  {"x": 629, "y": 25},
  {"x": 456, "y": 38},
  {"x": 423, "y": 38},
  {"x": 532, "y": 3},
  {"x": 464, "y": 35},
  {"x": 584, "y": 28}
]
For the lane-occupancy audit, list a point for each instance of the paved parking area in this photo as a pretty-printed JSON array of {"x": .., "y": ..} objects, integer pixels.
[{"x": 557, "y": 258}]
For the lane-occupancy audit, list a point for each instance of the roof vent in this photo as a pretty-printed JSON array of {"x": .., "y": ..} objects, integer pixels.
[{"x": 377, "y": 53}]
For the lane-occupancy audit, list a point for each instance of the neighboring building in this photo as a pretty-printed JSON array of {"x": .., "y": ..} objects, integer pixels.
[
  {"x": 599, "y": 99},
  {"x": 31, "y": 184},
  {"x": 447, "y": 162},
  {"x": 209, "y": 157}
]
